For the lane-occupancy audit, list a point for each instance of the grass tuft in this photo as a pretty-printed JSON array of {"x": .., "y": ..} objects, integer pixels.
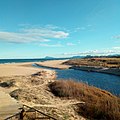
[{"x": 99, "y": 104}]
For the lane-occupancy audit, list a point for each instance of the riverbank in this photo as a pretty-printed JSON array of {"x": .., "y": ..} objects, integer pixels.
[
  {"x": 27, "y": 68},
  {"x": 113, "y": 71},
  {"x": 102, "y": 65},
  {"x": 61, "y": 64},
  {"x": 56, "y": 64}
]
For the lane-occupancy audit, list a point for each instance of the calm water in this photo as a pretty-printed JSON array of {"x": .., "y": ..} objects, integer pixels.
[
  {"x": 107, "y": 82},
  {"x": 104, "y": 81}
]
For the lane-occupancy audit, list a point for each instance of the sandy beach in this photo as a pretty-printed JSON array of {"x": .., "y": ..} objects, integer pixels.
[
  {"x": 29, "y": 85},
  {"x": 21, "y": 83},
  {"x": 16, "y": 69},
  {"x": 54, "y": 64}
]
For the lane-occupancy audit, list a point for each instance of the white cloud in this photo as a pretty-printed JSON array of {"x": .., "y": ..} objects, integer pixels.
[
  {"x": 70, "y": 44},
  {"x": 114, "y": 50},
  {"x": 33, "y": 35},
  {"x": 20, "y": 37},
  {"x": 84, "y": 28},
  {"x": 77, "y": 29},
  {"x": 51, "y": 45},
  {"x": 46, "y": 33}
]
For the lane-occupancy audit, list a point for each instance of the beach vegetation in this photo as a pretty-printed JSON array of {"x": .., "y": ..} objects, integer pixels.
[
  {"x": 99, "y": 104},
  {"x": 100, "y": 62}
]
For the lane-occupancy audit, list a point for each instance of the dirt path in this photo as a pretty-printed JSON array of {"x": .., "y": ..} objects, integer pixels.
[
  {"x": 63, "y": 103},
  {"x": 8, "y": 105}
]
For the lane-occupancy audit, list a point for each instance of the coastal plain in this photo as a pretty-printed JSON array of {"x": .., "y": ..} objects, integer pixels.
[
  {"x": 35, "y": 87},
  {"x": 21, "y": 83}
]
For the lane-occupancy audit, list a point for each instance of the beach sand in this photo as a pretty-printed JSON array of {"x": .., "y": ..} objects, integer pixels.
[
  {"x": 16, "y": 69},
  {"x": 32, "y": 89},
  {"x": 54, "y": 64}
]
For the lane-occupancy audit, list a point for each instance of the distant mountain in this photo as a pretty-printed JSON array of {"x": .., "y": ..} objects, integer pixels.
[
  {"x": 103, "y": 56},
  {"x": 48, "y": 57},
  {"x": 73, "y": 57},
  {"x": 115, "y": 55}
]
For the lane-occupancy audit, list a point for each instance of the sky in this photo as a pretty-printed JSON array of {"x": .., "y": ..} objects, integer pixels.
[{"x": 59, "y": 28}]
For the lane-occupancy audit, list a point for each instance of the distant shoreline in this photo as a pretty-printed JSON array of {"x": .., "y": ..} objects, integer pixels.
[
  {"x": 50, "y": 64},
  {"x": 113, "y": 71},
  {"x": 53, "y": 64},
  {"x": 10, "y": 61},
  {"x": 25, "y": 68}
]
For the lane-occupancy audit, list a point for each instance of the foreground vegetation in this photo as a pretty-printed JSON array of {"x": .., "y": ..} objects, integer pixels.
[
  {"x": 101, "y": 62},
  {"x": 99, "y": 104}
]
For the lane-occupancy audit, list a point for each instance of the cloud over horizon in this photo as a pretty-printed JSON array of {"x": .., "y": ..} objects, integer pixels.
[
  {"x": 26, "y": 35},
  {"x": 114, "y": 50}
]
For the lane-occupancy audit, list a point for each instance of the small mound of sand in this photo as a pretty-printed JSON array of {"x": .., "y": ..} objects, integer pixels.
[{"x": 45, "y": 74}]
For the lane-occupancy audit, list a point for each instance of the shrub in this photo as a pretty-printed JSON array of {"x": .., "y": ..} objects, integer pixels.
[
  {"x": 99, "y": 104},
  {"x": 7, "y": 84}
]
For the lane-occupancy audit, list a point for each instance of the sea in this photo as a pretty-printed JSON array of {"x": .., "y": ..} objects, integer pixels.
[{"x": 5, "y": 61}]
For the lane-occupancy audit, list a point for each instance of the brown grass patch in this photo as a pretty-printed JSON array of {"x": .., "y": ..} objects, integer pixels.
[
  {"x": 99, "y": 104},
  {"x": 102, "y": 62}
]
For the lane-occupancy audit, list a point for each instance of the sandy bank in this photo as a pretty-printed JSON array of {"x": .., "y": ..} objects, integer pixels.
[
  {"x": 54, "y": 64},
  {"x": 113, "y": 71},
  {"x": 17, "y": 69}
]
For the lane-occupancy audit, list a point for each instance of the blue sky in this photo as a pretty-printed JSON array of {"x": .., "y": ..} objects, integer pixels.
[{"x": 59, "y": 28}]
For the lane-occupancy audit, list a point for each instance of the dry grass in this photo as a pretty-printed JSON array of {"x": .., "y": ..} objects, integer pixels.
[
  {"x": 99, "y": 104},
  {"x": 103, "y": 62}
]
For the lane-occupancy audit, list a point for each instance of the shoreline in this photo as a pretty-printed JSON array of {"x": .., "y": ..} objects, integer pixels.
[
  {"x": 112, "y": 71},
  {"x": 32, "y": 88},
  {"x": 59, "y": 65},
  {"x": 26, "y": 68}
]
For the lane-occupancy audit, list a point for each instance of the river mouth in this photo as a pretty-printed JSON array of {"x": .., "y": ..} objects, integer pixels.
[{"x": 103, "y": 81}]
